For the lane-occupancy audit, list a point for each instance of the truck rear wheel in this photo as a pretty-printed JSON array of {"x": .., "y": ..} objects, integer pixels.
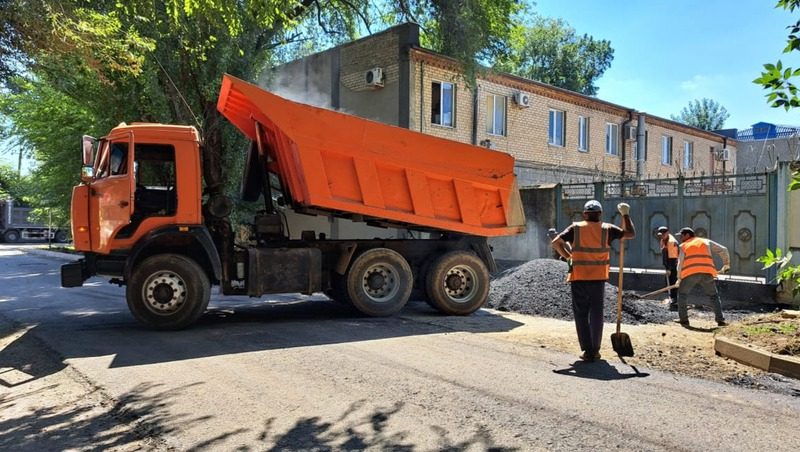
[
  {"x": 11, "y": 236},
  {"x": 379, "y": 282},
  {"x": 60, "y": 236},
  {"x": 457, "y": 283},
  {"x": 168, "y": 292}
]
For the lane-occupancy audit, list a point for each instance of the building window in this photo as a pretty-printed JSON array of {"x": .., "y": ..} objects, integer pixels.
[
  {"x": 688, "y": 154},
  {"x": 555, "y": 133},
  {"x": 666, "y": 150},
  {"x": 612, "y": 138},
  {"x": 496, "y": 114},
  {"x": 442, "y": 103},
  {"x": 583, "y": 134}
]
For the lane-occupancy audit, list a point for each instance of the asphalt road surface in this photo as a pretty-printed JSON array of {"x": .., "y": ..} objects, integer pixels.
[{"x": 304, "y": 373}]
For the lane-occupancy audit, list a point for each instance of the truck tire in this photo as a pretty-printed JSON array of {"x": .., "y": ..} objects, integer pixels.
[
  {"x": 379, "y": 282},
  {"x": 11, "y": 236},
  {"x": 457, "y": 283},
  {"x": 60, "y": 236},
  {"x": 168, "y": 292}
]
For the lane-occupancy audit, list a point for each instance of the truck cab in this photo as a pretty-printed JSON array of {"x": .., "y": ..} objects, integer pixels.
[{"x": 139, "y": 178}]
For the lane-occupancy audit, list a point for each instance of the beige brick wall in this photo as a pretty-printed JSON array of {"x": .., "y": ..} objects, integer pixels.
[{"x": 527, "y": 128}]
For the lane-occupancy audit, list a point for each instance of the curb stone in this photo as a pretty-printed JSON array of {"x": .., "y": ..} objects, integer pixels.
[
  {"x": 760, "y": 359},
  {"x": 53, "y": 254}
]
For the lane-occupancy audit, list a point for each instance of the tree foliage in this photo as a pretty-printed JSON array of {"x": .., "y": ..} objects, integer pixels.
[
  {"x": 783, "y": 93},
  {"x": 550, "y": 51},
  {"x": 776, "y": 78},
  {"x": 706, "y": 114}
]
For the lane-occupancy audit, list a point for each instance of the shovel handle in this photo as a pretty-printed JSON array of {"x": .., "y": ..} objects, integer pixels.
[{"x": 619, "y": 283}]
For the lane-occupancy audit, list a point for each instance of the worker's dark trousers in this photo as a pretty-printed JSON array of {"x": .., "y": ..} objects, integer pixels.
[
  {"x": 587, "y": 305},
  {"x": 709, "y": 286},
  {"x": 672, "y": 268}
]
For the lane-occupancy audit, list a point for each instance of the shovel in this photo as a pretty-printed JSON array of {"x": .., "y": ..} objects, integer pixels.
[
  {"x": 621, "y": 341},
  {"x": 656, "y": 292}
]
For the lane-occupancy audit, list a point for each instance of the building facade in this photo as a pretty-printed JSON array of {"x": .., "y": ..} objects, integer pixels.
[
  {"x": 555, "y": 135},
  {"x": 763, "y": 145}
]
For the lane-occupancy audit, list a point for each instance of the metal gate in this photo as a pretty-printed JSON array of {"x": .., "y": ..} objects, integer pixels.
[{"x": 735, "y": 211}]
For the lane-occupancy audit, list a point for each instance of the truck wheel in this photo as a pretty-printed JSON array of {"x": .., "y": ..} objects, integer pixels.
[
  {"x": 168, "y": 292},
  {"x": 379, "y": 282},
  {"x": 457, "y": 283},
  {"x": 60, "y": 236},
  {"x": 11, "y": 236}
]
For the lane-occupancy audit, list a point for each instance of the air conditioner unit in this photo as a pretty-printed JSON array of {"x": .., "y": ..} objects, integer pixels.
[
  {"x": 630, "y": 133},
  {"x": 723, "y": 155},
  {"x": 522, "y": 99},
  {"x": 374, "y": 77}
]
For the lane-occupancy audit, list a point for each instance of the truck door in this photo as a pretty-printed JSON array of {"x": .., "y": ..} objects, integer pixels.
[{"x": 110, "y": 200}]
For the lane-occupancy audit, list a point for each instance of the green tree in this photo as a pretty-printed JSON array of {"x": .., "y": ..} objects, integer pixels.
[
  {"x": 706, "y": 114},
  {"x": 776, "y": 78},
  {"x": 162, "y": 61},
  {"x": 551, "y": 51},
  {"x": 783, "y": 93}
]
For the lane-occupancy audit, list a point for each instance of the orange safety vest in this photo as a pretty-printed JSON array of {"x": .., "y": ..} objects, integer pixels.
[
  {"x": 590, "y": 251},
  {"x": 672, "y": 247},
  {"x": 697, "y": 258}
]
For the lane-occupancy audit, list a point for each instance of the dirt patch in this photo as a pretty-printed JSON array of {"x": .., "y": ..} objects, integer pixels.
[
  {"x": 538, "y": 288},
  {"x": 771, "y": 332}
]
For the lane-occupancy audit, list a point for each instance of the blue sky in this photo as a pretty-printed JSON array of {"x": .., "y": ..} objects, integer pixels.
[{"x": 668, "y": 53}]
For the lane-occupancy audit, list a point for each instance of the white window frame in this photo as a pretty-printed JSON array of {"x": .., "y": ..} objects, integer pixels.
[
  {"x": 493, "y": 102},
  {"x": 583, "y": 134},
  {"x": 612, "y": 138},
  {"x": 688, "y": 154},
  {"x": 556, "y": 127},
  {"x": 442, "y": 114},
  {"x": 666, "y": 150}
]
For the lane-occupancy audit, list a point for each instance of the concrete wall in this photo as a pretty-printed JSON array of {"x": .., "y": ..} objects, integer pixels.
[
  {"x": 539, "y": 204},
  {"x": 762, "y": 155}
]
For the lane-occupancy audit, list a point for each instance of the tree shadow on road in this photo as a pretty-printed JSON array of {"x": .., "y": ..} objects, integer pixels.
[
  {"x": 599, "y": 370},
  {"x": 91, "y": 424},
  {"x": 359, "y": 429}
]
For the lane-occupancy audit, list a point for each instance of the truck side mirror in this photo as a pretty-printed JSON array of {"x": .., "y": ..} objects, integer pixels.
[
  {"x": 87, "y": 173},
  {"x": 88, "y": 147}
]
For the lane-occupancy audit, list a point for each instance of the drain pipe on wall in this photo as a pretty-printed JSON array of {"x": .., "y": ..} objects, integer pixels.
[
  {"x": 623, "y": 143},
  {"x": 421, "y": 95},
  {"x": 641, "y": 145},
  {"x": 475, "y": 114}
]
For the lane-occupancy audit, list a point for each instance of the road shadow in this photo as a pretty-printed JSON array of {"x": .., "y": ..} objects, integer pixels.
[
  {"x": 599, "y": 370},
  {"x": 367, "y": 429},
  {"x": 144, "y": 416},
  {"x": 97, "y": 323}
]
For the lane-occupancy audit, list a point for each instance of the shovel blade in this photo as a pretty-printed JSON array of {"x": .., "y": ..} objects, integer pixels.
[{"x": 622, "y": 344}]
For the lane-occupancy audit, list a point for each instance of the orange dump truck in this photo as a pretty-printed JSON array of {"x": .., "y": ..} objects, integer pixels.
[{"x": 139, "y": 214}]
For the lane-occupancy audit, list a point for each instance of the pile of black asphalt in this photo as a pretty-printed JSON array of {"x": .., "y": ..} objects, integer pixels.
[{"x": 538, "y": 287}]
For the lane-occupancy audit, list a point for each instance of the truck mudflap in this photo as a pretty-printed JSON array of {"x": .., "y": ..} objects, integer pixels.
[{"x": 73, "y": 274}]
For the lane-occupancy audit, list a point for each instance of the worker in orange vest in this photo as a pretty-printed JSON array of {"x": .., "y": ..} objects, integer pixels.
[
  {"x": 589, "y": 259},
  {"x": 697, "y": 269},
  {"x": 670, "y": 251}
]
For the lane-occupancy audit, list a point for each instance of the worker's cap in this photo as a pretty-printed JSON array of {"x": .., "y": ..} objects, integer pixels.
[
  {"x": 687, "y": 230},
  {"x": 662, "y": 229},
  {"x": 592, "y": 206},
  {"x": 552, "y": 231}
]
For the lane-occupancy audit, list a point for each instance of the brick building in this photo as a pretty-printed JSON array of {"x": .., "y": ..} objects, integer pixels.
[{"x": 554, "y": 134}]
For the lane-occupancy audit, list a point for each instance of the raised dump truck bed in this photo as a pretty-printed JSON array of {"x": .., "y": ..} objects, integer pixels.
[{"x": 341, "y": 163}]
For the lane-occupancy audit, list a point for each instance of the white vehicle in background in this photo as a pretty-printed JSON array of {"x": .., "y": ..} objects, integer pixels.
[{"x": 15, "y": 225}]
